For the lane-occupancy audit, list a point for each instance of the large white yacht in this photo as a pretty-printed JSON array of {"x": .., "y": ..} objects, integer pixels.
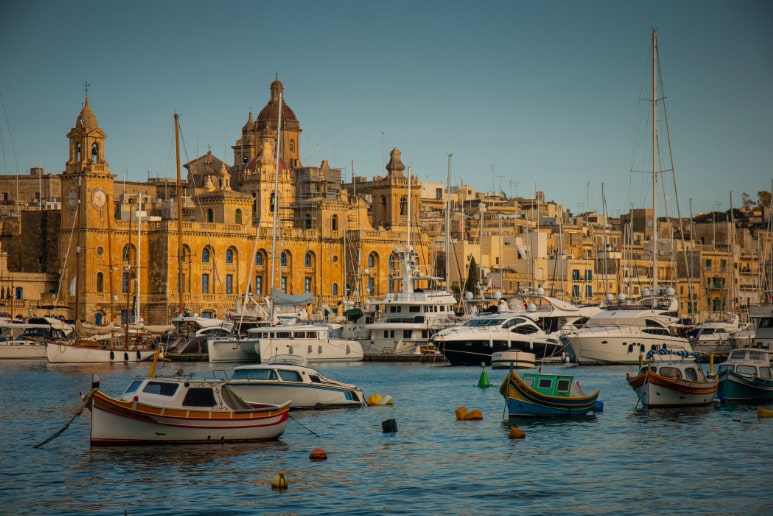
[
  {"x": 405, "y": 320},
  {"x": 473, "y": 342},
  {"x": 551, "y": 314},
  {"x": 621, "y": 333}
]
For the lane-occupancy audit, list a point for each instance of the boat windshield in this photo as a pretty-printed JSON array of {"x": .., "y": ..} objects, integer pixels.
[
  {"x": 484, "y": 322},
  {"x": 254, "y": 374},
  {"x": 133, "y": 387}
]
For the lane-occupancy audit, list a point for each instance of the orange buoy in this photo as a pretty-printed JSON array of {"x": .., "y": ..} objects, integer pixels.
[
  {"x": 460, "y": 413},
  {"x": 516, "y": 433},
  {"x": 473, "y": 415},
  {"x": 318, "y": 454},
  {"x": 764, "y": 413}
]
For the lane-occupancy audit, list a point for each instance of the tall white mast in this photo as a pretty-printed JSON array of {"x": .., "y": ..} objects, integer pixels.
[
  {"x": 448, "y": 226},
  {"x": 654, "y": 165}
]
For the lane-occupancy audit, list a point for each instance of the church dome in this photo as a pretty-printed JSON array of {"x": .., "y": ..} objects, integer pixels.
[
  {"x": 86, "y": 118},
  {"x": 269, "y": 115}
]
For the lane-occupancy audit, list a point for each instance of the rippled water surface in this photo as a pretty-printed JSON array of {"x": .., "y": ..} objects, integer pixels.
[{"x": 626, "y": 460}]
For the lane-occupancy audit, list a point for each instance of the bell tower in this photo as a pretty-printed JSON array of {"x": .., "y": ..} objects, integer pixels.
[{"x": 87, "y": 217}]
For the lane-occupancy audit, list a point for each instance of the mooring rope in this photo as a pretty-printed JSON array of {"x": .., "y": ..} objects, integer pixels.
[{"x": 86, "y": 401}]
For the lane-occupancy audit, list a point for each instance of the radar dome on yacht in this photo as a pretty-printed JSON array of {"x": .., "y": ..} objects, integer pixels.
[
  {"x": 670, "y": 291},
  {"x": 468, "y": 295},
  {"x": 531, "y": 308},
  {"x": 621, "y": 297},
  {"x": 497, "y": 295},
  {"x": 540, "y": 291},
  {"x": 645, "y": 292},
  {"x": 611, "y": 298}
]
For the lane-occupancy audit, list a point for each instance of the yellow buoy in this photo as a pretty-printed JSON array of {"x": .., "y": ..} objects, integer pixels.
[
  {"x": 387, "y": 400},
  {"x": 764, "y": 412},
  {"x": 374, "y": 400},
  {"x": 460, "y": 413},
  {"x": 473, "y": 415},
  {"x": 279, "y": 481},
  {"x": 516, "y": 433}
]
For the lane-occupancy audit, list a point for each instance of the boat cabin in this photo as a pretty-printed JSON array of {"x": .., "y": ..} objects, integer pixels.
[
  {"x": 749, "y": 363},
  {"x": 562, "y": 386}
]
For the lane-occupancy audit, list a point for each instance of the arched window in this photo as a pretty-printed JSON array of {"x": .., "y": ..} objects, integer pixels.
[
  {"x": 283, "y": 259},
  {"x": 404, "y": 206},
  {"x": 335, "y": 289},
  {"x": 307, "y": 260},
  {"x": 371, "y": 260},
  {"x": 238, "y": 216},
  {"x": 308, "y": 221},
  {"x": 334, "y": 223},
  {"x": 94, "y": 152},
  {"x": 100, "y": 282},
  {"x": 205, "y": 255},
  {"x": 273, "y": 201},
  {"x": 77, "y": 152},
  {"x": 259, "y": 259},
  {"x": 210, "y": 215},
  {"x": 229, "y": 256},
  {"x": 292, "y": 146}
]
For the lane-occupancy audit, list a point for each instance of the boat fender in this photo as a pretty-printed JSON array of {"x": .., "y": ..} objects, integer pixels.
[
  {"x": 318, "y": 454},
  {"x": 112, "y": 355},
  {"x": 598, "y": 407},
  {"x": 630, "y": 348},
  {"x": 642, "y": 347},
  {"x": 473, "y": 415},
  {"x": 126, "y": 356},
  {"x": 279, "y": 482},
  {"x": 460, "y": 413},
  {"x": 389, "y": 426},
  {"x": 764, "y": 413},
  {"x": 388, "y": 400},
  {"x": 139, "y": 355},
  {"x": 516, "y": 433}
]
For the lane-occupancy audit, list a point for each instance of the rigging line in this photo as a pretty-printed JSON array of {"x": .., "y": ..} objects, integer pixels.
[
  {"x": 10, "y": 136},
  {"x": 67, "y": 255}
]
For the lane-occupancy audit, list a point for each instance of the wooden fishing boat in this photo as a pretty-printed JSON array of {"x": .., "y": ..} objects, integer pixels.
[
  {"x": 746, "y": 375},
  {"x": 673, "y": 379},
  {"x": 546, "y": 395},
  {"x": 181, "y": 410}
]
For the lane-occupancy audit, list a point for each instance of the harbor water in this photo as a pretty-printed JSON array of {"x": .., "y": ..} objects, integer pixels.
[{"x": 626, "y": 460}]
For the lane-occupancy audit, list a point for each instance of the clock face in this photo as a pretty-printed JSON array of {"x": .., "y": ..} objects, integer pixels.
[
  {"x": 72, "y": 198},
  {"x": 99, "y": 198}
]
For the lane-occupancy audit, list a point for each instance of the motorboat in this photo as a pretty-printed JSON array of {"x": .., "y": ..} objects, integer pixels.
[
  {"x": 551, "y": 314},
  {"x": 719, "y": 336},
  {"x": 288, "y": 378},
  {"x": 314, "y": 341},
  {"x": 474, "y": 342},
  {"x": 673, "y": 379},
  {"x": 546, "y": 395},
  {"x": 181, "y": 410},
  {"x": 406, "y": 319},
  {"x": 621, "y": 333},
  {"x": 746, "y": 375}
]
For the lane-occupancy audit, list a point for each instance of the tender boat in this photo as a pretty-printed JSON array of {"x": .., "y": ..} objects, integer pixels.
[
  {"x": 746, "y": 375},
  {"x": 622, "y": 333},
  {"x": 181, "y": 409},
  {"x": 546, "y": 395},
  {"x": 479, "y": 337},
  {"x": 288, "y": 378},
  {"x": 673, "y": 379},
  {"x": 513, "y": 358},
  {"x": 719, "y": 336}
]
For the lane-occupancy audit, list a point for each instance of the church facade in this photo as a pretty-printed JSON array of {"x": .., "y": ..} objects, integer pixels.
[{"x": 129, "y": 254}]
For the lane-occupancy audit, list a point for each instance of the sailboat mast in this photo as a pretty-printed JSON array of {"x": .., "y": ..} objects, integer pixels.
[
  {"x": 448, "y": 225},
  {"x": 276, "y": 194},
  {"x": 654, "y": 165},
  {"x": 179, "y": 217}
]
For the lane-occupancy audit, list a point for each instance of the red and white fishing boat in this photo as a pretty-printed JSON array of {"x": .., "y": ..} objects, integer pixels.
[
  {"x": 181, "y": 410},
  {"x": 673, "y": 379}
]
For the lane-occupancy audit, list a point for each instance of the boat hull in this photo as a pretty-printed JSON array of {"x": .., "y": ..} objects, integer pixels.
[
  {"x": 302, "y": 396},
  {"x": 515, "y": 359},
  {"x": 657, "y": 391},
  {"x": 313, "y": 350},
  {"x": 68, "y": 354},
  {"x": 25, "y": 351},
  {"x": 229, "y": 349},
  {"x": 115, "y": 422},
  {"x": 523, "y": 401},
  {"x": 622, "y": 349},
  {"x": 736, "y": 387}
]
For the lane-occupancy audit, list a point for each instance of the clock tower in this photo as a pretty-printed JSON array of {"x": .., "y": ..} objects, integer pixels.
[{"x": 87, "y": 216}]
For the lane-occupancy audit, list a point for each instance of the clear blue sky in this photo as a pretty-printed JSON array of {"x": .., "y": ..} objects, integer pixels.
[{"x": 530, "y": 95}]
